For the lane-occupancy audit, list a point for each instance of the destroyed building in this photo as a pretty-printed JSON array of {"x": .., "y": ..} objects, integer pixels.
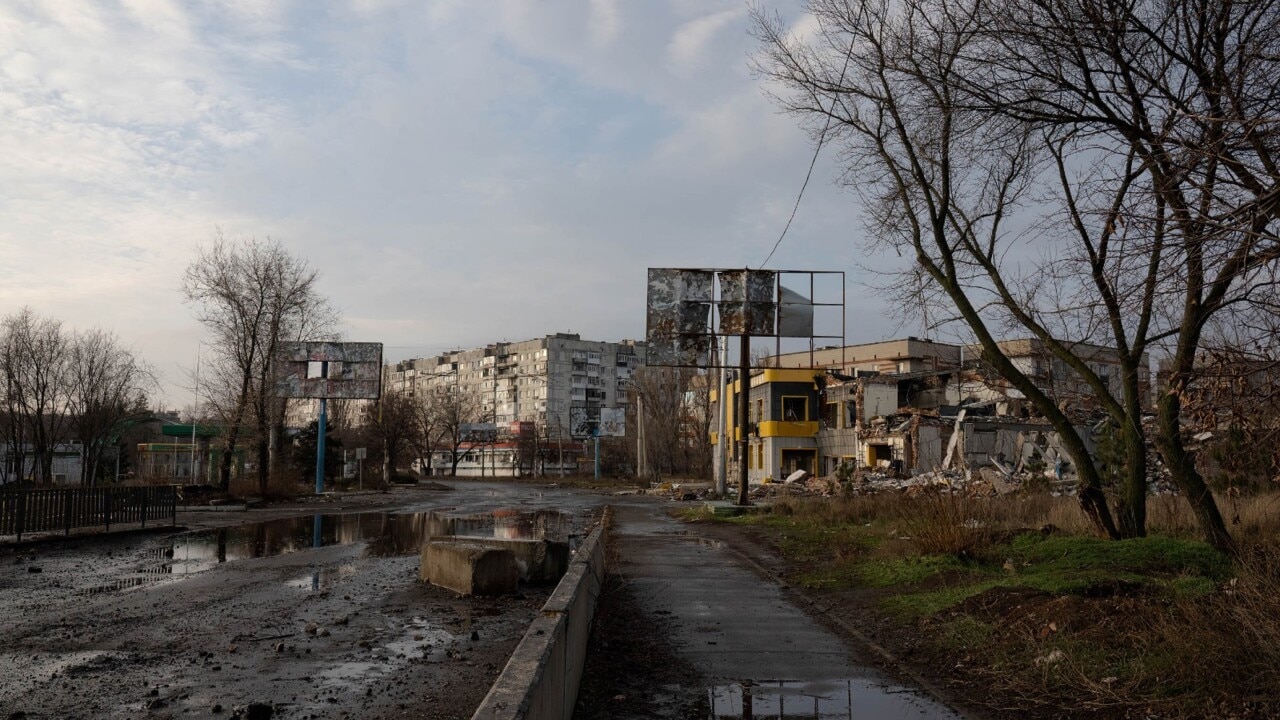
[{"x": 898, "y": 408}]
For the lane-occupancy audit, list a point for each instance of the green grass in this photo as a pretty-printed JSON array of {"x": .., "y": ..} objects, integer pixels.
[
  {"x": 908, "y": 570},
  {"x": 916, "y": 605},
  {"x": 1145, "y": 556},
  {"x": 964, "y": 632}
]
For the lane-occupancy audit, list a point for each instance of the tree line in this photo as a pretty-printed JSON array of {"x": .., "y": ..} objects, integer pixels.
[{"x": 61, "y": 385}]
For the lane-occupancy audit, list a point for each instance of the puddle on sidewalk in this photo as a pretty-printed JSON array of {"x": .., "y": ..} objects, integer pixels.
[
  {"x": 820, "y": 700},
  {"x": 384, "y": 534}
]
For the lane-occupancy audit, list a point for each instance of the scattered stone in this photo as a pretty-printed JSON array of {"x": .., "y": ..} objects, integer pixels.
[
  {"x": 322, "y": 632},
  {"x": 311, "y": 628},
  {"x": 279, "y": 647},
  {"x": 1052, "y": 658},
  {"x": 475, "y": 635},
  {"x": 217, "y": 708}
]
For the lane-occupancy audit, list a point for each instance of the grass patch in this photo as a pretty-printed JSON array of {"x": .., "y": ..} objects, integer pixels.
[
  {"x": 964, "y": 632},
  {"x": 908, "y": 570},
  {"x": 1149, "y": 555},
  {"x": 916, "y": 605}
]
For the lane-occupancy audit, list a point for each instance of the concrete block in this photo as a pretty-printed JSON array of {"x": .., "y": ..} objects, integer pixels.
[
  {"x": 468, "y": 568},
  {"x": 541, "y": 562}
]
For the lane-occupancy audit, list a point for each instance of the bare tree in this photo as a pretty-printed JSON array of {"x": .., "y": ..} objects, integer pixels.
[
  {"x": 675, "y": 407},
  {"x": 393, "y": 422},
  {"x": 108, "y": 387},
  {"x": 34, "y": 356},
  {"x": 1059, "y": 168},
  {"x": 455, "y": 411},
  {"x": 252, "y": 295}
]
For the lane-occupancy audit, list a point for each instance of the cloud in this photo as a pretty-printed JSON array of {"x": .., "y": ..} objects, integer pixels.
[
  {"x": 457, "y": 173},
  {"x": 690, "y": 41}
]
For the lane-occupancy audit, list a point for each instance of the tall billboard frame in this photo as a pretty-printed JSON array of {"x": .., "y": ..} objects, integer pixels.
[{"x": 691, "y": 312}]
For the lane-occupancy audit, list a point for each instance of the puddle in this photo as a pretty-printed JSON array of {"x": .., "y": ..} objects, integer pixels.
[
  {"x": 821, "y": 700},
  {"x": 421, "y": 639},
  {"x": 323, "y": 579},
  {"x": 384, "y": 534}
]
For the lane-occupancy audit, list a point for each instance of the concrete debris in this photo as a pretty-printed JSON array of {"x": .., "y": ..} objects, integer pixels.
[{"x": 798, "y": 477}]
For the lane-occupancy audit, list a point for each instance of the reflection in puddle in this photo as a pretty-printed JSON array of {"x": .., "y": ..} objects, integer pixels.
[
  {"x": 822, "y": 700},
  {"x": 324, "y": 578},
  {"x": 385, "y": 534}
]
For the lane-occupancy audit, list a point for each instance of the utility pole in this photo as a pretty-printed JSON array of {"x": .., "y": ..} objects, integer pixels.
[
  {"x": 642, "y": 460},
  {"x": 744, "y": 392},
  {"x": 722, "y": 447}
]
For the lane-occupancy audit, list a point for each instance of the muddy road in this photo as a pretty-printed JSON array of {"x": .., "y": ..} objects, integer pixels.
[{"x": 313, "y": 614}]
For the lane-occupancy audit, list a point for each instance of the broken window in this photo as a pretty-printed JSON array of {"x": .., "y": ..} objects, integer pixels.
[
  {"x": 795, "y": 408},
  {"x": 831, "y": 415}
]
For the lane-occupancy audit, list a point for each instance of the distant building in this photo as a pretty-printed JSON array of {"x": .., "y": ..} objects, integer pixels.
[
  {"x": 19, "y": 464},
  {"x": 542, "y": 381}
]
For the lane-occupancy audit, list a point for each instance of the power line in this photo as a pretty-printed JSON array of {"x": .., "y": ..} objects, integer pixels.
[{"x": 822, "y": 137}]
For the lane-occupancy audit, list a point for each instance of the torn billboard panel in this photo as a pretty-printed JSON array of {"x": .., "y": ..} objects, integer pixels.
[
  {"x": 747, "y": 302},
  {"x": 613, "y": 422},
  {"x": 677, "y": 326},
  {"x": 330, "y": 370}
]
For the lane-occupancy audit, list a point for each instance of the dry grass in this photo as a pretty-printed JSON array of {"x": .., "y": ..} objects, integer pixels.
[{"x": 281, "y": 486}]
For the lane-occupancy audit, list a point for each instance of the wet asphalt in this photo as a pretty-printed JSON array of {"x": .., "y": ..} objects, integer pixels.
[{"x": 758, "y": 654}]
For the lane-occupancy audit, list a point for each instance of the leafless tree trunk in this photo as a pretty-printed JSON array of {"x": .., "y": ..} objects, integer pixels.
[{"x": 252, "y": 295}]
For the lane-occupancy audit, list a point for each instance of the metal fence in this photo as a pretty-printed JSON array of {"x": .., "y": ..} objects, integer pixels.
[{"x": 31, "y": 510}]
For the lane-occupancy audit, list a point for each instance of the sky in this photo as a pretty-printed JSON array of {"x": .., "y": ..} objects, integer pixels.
[{"x": 459, "y": 172}]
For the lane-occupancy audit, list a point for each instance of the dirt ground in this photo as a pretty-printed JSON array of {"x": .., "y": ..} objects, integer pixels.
[{"x": 150, "y": 625}]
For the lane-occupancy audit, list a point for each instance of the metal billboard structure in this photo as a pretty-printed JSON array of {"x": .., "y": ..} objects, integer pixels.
[
  {"x": 330, "y": 370},
  {"x": 326, "y": 370},
  {"x": 691, "y": 312}
]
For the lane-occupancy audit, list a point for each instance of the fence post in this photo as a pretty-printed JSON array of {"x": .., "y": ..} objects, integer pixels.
[
  {"x": 66, "y": 511},
  {"x": 22, "y": 513},
  {"x": 107, "y": 507},
  {"x": 173, "y": 506},
  {"x": 146, "y": 495}
]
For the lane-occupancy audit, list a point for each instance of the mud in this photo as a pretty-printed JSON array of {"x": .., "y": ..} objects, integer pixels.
[{"x": 314, "y": 616}]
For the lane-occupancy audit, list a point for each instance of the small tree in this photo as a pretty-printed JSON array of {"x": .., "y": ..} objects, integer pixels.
[{"x": 393, "y": 423}]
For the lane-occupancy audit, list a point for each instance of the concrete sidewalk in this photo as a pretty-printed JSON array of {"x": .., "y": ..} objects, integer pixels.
[{"x": 759, "y": 654}]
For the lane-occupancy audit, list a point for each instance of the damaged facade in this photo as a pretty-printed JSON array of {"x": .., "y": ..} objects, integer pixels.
[{"x": 899, "y": 408}]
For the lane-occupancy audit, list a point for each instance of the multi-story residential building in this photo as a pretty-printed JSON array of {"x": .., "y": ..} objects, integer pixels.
[{"x": 543, "y": 380}]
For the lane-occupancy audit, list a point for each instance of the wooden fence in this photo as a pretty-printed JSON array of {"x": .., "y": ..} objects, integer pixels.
[{"x": 31, "y": 510}]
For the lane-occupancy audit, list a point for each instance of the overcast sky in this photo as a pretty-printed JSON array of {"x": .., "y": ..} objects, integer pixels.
[{"x": 459, "y": 172}]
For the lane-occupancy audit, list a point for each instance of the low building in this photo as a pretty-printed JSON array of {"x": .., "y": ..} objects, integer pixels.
[{"x": 900, "y": 407}]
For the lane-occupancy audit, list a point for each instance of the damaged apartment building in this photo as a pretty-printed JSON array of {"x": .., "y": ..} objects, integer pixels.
[{"x": 905, "y": 407}]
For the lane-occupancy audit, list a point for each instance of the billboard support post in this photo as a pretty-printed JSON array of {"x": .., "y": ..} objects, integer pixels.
[{"x": 320, "y": 432}]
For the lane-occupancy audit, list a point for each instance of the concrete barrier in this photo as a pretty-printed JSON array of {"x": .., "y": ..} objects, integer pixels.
[
  {"x": 469, "y": 568},
  {"x": 542, "y": 562},
  {"x": 541, "y": 680}
]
